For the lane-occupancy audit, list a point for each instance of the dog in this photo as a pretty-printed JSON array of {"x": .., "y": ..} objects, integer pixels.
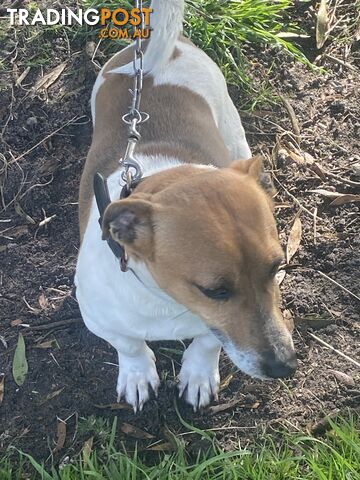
[{"x": 199, "y": 230}]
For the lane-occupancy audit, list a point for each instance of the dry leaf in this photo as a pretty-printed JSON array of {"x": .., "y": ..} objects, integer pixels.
[
  {"x": 224, "y": 406},
  {"x": 88, "y": 445},
  {"x": 314, "y": 322},
  {"x": 52, "y": 395},
  {"x": 161, "y": 447},
  {"x": 43, "y": 301},
  {"x": 46, "y": 220},
  {"x": 309, "y": 159},
  {"x": 343, "y": 378},
  {"x": 23, "y": 214},
  {"x": 14, "y": 323},
  {"x": 292, "y": 35},
  {"x": 339, "y": 198},
  {"x": 283, "y": 205},
  {"x": 326, "y": 193},
  {"x": 20, "y": 365},
  {"x": 287, "y": 316},
  {"x": 61, "y": 436},
  {"x": 135, "y": 432},
  {"x": 226, "y": 382},
  {"x": 322, "y": 24},
  {"x": 47, "y": 80},
  {"x": 299, "y": 159},
  {"x": 47, "y": 344},
  {"x": 48, "y": 168},
  {"x": 344, "y": 198},
  {"x": 19, "y": 231},
  {"x": 318, "y": 170},
  {"x": 115, "y": 406},
  {"x": 22, "y": 76},
  {"x": 280, "y": 276},
  {"x": 294, "y": 239},
  {"x": 2, "y": 387}
]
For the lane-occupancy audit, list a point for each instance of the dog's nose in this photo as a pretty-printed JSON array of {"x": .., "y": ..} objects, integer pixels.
[{"x": 275, "y": 368}]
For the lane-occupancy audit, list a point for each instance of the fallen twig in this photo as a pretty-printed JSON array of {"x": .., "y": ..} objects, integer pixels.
[
  {"x": 327, "y": 345},
  {"x": 340, "y": 62},
  {"x": 315, "y": 225},
  {"x": 333, "y": 175},
  {"x": 292, "y": 115},
  {"x": 293, "y": 197},
  {"x": 339, "y": 285},
  {"x": 46, "y": 220},
  {"x": 62, "y": 323},
  {"x": 69, "y": 122}
]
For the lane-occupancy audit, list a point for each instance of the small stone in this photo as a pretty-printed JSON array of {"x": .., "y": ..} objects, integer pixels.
[
  {"x": 249, "y": 398},
  {"x": 90, "y": 48},
  {"x": 356, "y": 169},
  {"x": 31, "y": 122}
]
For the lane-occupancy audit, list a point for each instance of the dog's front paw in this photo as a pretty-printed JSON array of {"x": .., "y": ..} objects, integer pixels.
[
  {"x": 199, "y": 383},
  {"x": 135, "y": 376}
]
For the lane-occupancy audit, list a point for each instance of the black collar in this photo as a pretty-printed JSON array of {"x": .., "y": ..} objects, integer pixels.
[{"x": 103, "y": 199}]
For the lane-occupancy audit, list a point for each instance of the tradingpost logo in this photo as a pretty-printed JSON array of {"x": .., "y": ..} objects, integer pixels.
[{"x": 115, "y": 23}]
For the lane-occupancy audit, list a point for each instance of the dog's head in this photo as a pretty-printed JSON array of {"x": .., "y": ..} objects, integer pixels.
[{"x": 208, "y": 237}]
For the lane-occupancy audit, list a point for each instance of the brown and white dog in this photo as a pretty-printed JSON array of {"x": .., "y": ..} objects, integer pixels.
[{"x": 199, "y": 229}]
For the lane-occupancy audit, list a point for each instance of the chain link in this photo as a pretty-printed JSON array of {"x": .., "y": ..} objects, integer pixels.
[{"x": 132, "y": 170}]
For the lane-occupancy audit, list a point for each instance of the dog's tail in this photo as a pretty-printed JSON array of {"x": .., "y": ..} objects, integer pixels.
[{"x": 166, "y": 23}]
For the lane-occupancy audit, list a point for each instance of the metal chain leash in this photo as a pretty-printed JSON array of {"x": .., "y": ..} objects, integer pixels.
[{"x": 132, "y": 171}]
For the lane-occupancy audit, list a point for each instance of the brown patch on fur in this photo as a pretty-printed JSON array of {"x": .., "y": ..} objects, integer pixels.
[
  {"x": 176, "y": 54},
  {"x": 179, "y": 122}
]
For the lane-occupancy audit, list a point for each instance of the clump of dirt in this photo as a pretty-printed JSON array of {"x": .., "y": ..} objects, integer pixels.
[{"x": 72, "y": 374}]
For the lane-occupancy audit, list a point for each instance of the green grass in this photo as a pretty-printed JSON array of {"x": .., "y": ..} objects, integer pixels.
[
  {"x": 336, "y": 456},
  {"x": 220, "y": 27}
]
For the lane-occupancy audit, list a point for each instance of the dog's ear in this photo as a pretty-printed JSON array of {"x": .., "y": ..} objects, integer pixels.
[
  {"x": 254, "y": 167},
  {"x": 129, "y": 222}
]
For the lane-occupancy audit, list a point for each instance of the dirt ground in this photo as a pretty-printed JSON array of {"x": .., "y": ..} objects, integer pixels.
[{"x": 314, "y": 145}]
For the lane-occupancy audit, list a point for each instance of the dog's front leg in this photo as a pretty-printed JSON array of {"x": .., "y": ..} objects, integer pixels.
[
  {"x": 136, "y": 371},
  {"x": 199, "y": 375}
]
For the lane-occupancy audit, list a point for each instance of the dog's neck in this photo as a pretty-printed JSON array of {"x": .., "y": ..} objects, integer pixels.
[
  {"x": 155, "y": 162},
  {"x": 155, "y": 158},
  {"x": 181, "y": 153}
]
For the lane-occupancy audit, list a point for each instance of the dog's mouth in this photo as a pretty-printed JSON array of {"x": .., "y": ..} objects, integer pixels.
[{"x": 264, "y": 366}]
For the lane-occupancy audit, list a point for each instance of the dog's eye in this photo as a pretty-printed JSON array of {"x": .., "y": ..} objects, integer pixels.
[{"x": 219, "y": 293}]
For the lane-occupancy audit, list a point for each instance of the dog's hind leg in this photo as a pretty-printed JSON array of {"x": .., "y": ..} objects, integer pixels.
[
  {"x": 137, "y": 371},
  {"x": 199, "y": 375}
]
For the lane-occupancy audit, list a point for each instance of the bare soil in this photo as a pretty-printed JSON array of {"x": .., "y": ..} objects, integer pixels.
[{"x": 72, "y": 373}]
